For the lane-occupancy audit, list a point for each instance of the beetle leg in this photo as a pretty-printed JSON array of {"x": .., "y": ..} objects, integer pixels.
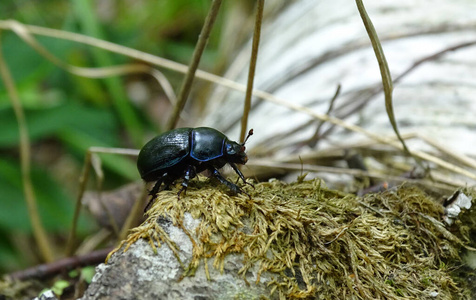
[
  {"x": 233, "y": 187},
  {"x": 157, "y": 185},
  {"x": 167, "y": 184},
  {"x": 154, "y": 191},
  {"x": 189, "y": 174},
  {"x": 240, "y": 174}
]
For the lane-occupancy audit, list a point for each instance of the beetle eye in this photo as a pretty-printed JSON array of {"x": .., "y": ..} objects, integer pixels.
[
  {"x": 229, "y": 149},
  {"x": 243, "y": 148}
]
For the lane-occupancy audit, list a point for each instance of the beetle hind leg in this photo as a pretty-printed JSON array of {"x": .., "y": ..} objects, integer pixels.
[
  {"x": 156, "y": 187},
  {"x": 154, "y": 191}
]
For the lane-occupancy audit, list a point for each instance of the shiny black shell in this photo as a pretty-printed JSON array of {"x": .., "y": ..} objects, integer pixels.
[{"x": 171, "y": 151}]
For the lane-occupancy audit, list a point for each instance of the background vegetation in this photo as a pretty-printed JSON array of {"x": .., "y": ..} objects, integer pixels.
[{"x": 67, "y": 114}]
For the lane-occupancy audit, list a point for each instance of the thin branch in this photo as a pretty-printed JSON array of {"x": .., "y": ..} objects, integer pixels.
[
  {"x": 434, "y": 57},
  {"x": 102, "y": 72},
  {"x": 251, "y": 72},
  {"x": 51, "y": 269},
  {"x": 83, "y": 180},
  {"x": 134, "y": 215},
  {"x": 451, "y": 152},
  {"x": 370, "y": 92},
  {"x": 197, "y": 54},
  {"x": 315, "y": 138}
]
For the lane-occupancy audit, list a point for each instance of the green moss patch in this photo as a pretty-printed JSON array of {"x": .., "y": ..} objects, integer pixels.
[{"x": 319, "y": 242}]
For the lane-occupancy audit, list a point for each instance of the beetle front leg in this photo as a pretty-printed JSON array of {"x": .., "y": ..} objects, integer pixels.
[
  {"x": 240, "y": 174},
  {"x": 233, "y": 187}
]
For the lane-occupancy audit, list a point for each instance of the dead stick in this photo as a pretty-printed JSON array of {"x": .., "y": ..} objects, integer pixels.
[{"x": 62, "y": 265}]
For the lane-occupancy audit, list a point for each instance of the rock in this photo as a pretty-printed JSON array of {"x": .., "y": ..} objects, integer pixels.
[
  {"x": 47, "y": 295},
  {"x": 139, "y": 273}
]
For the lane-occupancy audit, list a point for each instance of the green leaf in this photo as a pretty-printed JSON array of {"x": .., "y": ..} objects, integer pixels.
[
  {"x": 86, "y": 15},
  {"x": 55, "y": 204},
  {"x": 59, "y": 286},
  {"x": 26, "y": 66},
  {"x": 47, "y": 122},
  {"x": 87, "y": 273}
]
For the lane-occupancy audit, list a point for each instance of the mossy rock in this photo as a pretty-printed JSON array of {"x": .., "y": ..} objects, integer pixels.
[{"x": 303, "y": 240}]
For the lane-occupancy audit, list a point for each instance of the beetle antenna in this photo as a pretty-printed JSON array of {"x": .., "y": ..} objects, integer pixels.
[{"x": 250, "y": 133}]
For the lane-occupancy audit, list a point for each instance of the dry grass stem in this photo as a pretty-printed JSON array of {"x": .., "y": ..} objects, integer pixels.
[
  {"x": 104, "y": 72},
  {"x": 45, "y": 247},
  {"x": 12, "y": 25},
  {"x": 252, "y": 68},
  {"x": 191, "y": 70}
]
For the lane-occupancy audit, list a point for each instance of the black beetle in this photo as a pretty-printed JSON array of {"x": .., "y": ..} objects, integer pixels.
[{"x": 185, "y": 152}]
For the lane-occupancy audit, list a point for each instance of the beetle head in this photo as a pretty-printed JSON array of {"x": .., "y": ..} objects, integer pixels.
[{"x": 236, "y": 152}]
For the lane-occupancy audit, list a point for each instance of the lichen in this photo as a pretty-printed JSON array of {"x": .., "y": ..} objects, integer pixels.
[{"x": 318, "y": 242}]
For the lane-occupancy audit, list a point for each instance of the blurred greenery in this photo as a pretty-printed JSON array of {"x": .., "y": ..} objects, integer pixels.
[{"x": 67, "y": 114}]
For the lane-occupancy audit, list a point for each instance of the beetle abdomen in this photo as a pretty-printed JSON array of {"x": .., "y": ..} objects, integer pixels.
[{"x": 163, "y": 151}]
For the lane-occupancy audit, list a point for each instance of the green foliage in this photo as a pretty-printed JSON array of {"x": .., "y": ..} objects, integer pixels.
[
  {"x": 50, "y": 121},
  {"x": 68, "y": 114},
  {"x": 53, "y": 201},
  {"x": 59, "y": 286},
  {"x": 87, "y": 273}
]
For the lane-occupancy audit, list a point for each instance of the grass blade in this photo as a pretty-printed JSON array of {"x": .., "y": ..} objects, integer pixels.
[
  {"x": 37, "y": 226},
  {"x": 384, "y": 70},
  {"x": 90, "y": 25},
  {"x": 251, "y": 72}
]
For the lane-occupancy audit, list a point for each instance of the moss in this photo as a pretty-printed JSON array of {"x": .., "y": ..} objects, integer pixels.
[{"x": 321, "y": 242}]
